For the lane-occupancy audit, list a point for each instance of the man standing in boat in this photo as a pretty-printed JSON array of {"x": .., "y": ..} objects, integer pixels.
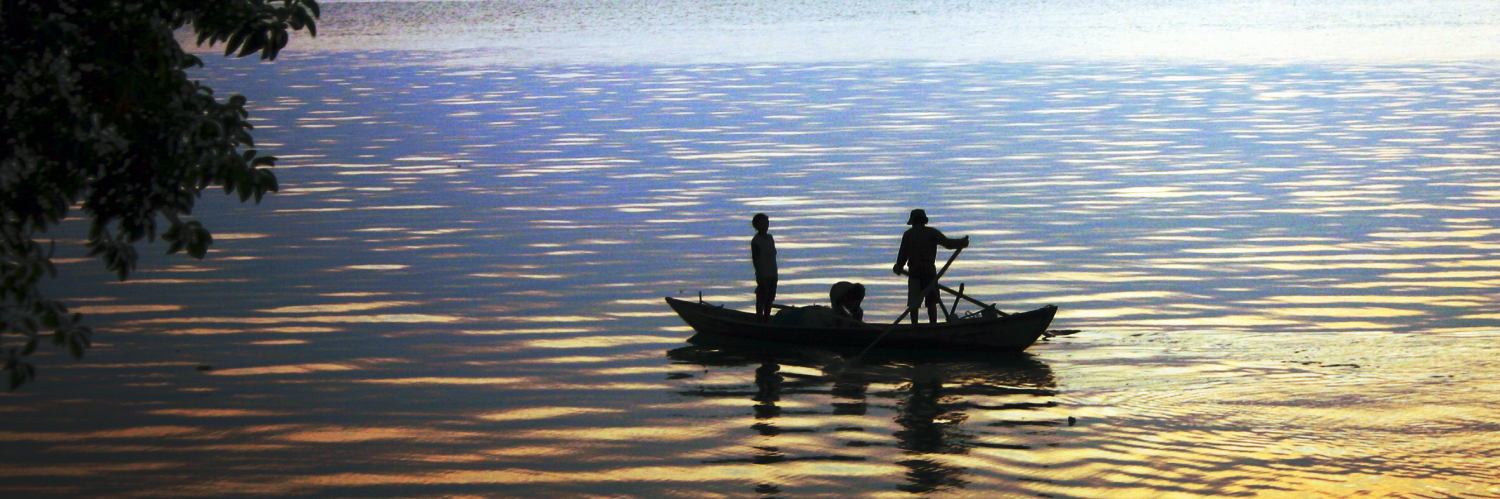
[{"x": 919, "y": 254}]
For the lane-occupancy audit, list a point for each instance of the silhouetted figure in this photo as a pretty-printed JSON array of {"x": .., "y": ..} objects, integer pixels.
[
  {"x": 930, "y": 424},
  {"x": 763, "y": 255},
  {"x": 851, "y": 386},
  {"x": 919, "y": 254},
  {"x": 768, "y": 390},
  {"x": 846, "y": 297}
]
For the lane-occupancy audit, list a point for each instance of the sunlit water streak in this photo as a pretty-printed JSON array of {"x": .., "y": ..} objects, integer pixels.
[{"x": 1286, "y": 278}]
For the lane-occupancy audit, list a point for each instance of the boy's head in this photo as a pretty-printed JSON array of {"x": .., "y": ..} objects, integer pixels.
[{"x": 761, "y": 222}]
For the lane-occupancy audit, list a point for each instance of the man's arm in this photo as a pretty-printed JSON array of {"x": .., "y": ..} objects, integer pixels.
[{"x": 962, "y": 242}]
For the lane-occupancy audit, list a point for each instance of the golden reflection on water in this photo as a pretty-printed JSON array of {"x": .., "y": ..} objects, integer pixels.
[
  {"x": 124, "y": 309},
  {"x": 337, "y": 307},
  {"x": 545, "y": 413},
  {"x": 284, "y": 369}
]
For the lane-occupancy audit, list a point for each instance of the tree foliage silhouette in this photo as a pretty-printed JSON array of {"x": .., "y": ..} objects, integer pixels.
[{"x": 97, "y": 114}]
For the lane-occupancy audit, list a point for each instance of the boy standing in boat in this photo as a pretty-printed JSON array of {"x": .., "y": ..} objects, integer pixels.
[
  {"x": 919, "y": 254},
  {"x": 763, "y": 256}
]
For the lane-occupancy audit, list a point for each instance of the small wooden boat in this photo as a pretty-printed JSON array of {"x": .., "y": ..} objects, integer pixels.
[{"x": 1005, "y": 332}]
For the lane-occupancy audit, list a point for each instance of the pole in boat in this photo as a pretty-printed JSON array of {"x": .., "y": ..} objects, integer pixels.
[
  {"x": 956, "y": 300},
  {"x": 960, "y": 295},
  {"x": 910, "y": 307}
]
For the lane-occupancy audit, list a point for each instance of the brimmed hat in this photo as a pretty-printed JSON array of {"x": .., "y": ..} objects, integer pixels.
[{"x": 918, "y": 217}]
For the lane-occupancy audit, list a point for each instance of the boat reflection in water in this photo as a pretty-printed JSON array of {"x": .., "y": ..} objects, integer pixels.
[{"x": 940, "y": 418}]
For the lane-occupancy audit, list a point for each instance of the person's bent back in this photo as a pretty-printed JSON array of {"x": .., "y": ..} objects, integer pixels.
[{"x": 847, "y": 297}]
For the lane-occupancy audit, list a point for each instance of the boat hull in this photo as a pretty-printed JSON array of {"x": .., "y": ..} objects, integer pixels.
[{"x": 1014, "y": 332}]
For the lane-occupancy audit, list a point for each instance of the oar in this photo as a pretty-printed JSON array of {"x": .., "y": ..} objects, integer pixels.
[{"x": 910, "y": 307}]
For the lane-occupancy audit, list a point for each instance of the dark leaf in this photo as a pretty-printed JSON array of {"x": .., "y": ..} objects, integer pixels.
[
  {"x": 268, "y": 180},
  {"x": 196, "y": 249},
  {"x": 278, "y": 42},
  {"x": 254, "y": 40},
  {"x": 235, "y": 41},
  {"x": 76, "y": 349},
  {"x": 20, "y": 373}
]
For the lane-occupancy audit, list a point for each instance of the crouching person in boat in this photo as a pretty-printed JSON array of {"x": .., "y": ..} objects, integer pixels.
[{"x": 846, "y": 298}]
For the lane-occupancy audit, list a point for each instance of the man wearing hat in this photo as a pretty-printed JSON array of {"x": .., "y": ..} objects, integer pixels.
[{"x": 919, "y": 254}]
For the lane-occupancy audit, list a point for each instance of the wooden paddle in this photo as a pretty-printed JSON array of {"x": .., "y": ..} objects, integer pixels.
[{"x": 910, "y": 307}]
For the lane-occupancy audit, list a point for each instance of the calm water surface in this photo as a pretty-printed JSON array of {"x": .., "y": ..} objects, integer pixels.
[{"x": 1286, "y": 277}]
